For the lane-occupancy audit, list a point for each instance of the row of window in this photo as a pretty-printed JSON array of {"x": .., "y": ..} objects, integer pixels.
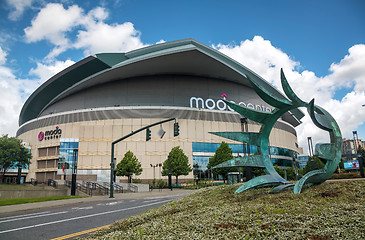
[
  {"x": 241, "y": 148},
  {"x": 200, "y": 162}
]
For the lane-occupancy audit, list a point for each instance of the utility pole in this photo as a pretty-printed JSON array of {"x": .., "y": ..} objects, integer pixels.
[
  {"x": 311, "y": 154},
  {"x": 357, "y": 145}
]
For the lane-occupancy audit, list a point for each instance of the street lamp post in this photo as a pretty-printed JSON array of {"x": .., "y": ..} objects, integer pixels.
[
  {"x": 154, "y": 172},
  {"x": 19, "y": 174},
  {"x": 356, "y": 145},
  {"x": 311, "y": 154},
  {"x": 159, "y": 167},
  {"x": 74, "y": 171},
  {"x": 169, "y": 179}
]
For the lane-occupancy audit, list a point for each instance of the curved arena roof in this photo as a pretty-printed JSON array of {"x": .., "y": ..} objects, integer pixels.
[{"x": 185, "y": 57}]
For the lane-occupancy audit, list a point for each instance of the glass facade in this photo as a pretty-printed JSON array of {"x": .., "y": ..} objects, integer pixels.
[
  {"x": 203, "y": 151},
  {"x": 303, "y": 161},
  {"x": 67, "y": 154}
]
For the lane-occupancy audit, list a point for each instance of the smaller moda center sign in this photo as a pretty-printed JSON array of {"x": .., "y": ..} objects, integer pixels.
[{"x": 51, "y": 134}]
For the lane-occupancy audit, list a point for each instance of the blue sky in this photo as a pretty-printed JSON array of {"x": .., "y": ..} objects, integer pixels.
[{"x": 320, "y": 44}]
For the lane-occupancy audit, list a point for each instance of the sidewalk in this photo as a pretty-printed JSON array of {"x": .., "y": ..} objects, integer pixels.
[{"x": 118, "y": 196}]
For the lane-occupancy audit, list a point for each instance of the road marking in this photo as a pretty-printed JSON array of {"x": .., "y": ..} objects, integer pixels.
[
  {"x": 30, "y": 214},
  {"x": 81, "y": 233},
  {"x": 152, "y": 200},
  {"x": 22, "y": 218},
  {"x": 80, "y": 217},
  {"x": 109, "y": 204},
  {"x": 82, "y": 208}
]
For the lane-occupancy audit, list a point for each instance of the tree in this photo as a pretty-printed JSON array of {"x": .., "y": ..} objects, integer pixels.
[
  {"x": 290, "y": 172},
  {"x": 128, "y": 166},
  {"x": 12, "y": 154},
  {"x": 222, "y": 154},
  {"x": 177, "y": 163},
  {"x": 318, "y": 164}
]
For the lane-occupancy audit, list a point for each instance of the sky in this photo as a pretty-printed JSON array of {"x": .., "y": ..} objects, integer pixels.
[{"x": 319, "y": 44}]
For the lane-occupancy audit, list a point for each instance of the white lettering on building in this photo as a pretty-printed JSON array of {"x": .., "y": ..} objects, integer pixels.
[{"x": 198, "y": 102}]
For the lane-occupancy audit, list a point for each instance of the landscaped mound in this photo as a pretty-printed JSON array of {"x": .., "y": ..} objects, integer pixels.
[{"x": 328, "y": 211}]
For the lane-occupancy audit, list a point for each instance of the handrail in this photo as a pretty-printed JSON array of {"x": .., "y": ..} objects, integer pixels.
[
  {"x": 80, "y": 187},
  {"x": 133, "y": 188},
  {"x": 52, "y": 183},
  {"x": 97, "y": 186},
  {"x": 117, "y": 187},
  {"x": 101, "y": 187}
]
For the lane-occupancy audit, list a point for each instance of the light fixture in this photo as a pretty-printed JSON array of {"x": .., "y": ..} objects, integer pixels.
[{"x": 161, "y": 132}]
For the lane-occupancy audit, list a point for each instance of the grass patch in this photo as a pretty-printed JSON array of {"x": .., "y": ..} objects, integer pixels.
[
  {"x": 327, "y": 211},
  {"x": 12, "y": 201}
]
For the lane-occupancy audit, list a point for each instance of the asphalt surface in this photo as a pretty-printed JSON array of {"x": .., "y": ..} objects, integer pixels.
[{"x": 57, "y": 219}]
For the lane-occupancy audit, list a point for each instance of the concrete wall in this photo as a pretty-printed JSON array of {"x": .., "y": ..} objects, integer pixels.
[{"x": 32, "y": 193}]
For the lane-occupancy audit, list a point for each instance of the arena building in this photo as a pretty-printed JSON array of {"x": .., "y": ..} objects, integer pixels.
[{"x": 103, "y": 97}]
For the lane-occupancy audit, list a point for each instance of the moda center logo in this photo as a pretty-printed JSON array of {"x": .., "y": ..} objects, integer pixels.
[{"x": 51, "y": 134}]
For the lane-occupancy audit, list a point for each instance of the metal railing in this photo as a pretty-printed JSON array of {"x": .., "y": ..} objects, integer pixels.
[
  {"x": 133, "y": 188},
  {"x": 80, "y": 187},
  {"x": 52, "y": 183},
  {"x": 117, "y": 188},
  {"x": 98, "y": 187}
]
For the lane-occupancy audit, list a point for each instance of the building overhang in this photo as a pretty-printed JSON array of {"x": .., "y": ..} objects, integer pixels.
[{"x": 183, "y": 57}]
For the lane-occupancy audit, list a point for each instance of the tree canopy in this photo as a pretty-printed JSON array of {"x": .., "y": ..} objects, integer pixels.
[
  {"x": 128, "y": 166},
  {"x": 177, "y": 162},
  {"x": 318, "y": 164},
  {"x": 222, "y": 154},
  {"x": 12, "y": 153}
]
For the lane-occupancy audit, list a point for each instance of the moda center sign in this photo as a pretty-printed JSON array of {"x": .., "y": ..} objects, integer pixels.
[
  {"x": 198, "y": 102},
  {"x": 56, "y": 133}
]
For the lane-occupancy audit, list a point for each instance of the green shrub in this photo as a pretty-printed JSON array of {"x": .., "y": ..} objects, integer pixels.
[
  {"x": 161, "y": 183},
  {"x": 136, "y": 180},
  {"x": 348, "y": 175}
]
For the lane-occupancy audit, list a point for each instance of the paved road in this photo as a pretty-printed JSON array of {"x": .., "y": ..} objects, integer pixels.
[{"x": 55, "y": 222}]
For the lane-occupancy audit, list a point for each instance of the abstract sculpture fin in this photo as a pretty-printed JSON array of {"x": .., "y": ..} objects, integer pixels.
[
  {"x": 330, "y": 152},
  {"x": 245, "y": 137},
  {"x": 247, "y": 161},
  {"x": 250, "y": 113}
]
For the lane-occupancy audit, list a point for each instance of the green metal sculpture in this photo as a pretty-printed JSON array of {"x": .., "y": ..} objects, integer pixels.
[{"x": 331, "y": 152}]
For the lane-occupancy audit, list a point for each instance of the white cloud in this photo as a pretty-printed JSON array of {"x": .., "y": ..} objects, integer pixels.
[
  {"x": 2, "y": 56},
  {"x": 18, "y": 7},
  {"x": 52, "y": 23},
  {"x": 266, "y": 60},
  {"x": 350, "y": 70},
  {"x": 161, "y": 41},
  {"x": 56, "y": 24},
  {"x": 13, "y": 91},
  {"x": 101, "y": 37},
  {"x": 46, "y": 71},
  {"x": 260, "y": 56}
]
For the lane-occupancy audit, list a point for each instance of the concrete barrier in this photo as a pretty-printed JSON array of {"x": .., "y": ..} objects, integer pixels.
[{"x": 32, "y": 193}]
